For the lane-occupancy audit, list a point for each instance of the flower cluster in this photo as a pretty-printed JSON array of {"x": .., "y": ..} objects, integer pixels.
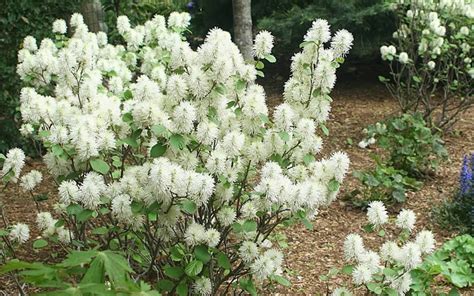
[
  {"x": 395, "y": 259},
  {"x": 466, "y": 178},
  {"x": 176, "y": 146}
]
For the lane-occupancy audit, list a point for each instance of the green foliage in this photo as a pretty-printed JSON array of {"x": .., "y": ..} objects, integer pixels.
[
  {"x": 81, "y": 273},
  {"x": 371, "y": 22},
  {"x": 456, "y": 214},
  {"x": 411, "y": 145},
  {"x": 19, "y": 19},
  {"x": 453, "y": 263},
  {"x": 384, "y": 183}
]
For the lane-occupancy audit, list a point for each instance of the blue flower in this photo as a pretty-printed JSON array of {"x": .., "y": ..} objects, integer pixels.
[{"x": 466, "y": 180}]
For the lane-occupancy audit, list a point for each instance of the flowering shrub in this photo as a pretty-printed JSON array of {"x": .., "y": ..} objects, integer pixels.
[
  {"x": 387, "y": 272},
  {"x": 411, "y": 145},
  {"x": 168, "y": 154},
  {"x": 458, "y": 213},
  {"x": 430, "y": 62}
]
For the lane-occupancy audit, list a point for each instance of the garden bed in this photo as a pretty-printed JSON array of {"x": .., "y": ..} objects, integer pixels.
[{"x": 312, "y": 253}]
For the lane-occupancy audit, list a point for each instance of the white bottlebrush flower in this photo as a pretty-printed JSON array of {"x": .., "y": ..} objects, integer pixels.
[
  {"x": 202, "y": 286},
  {"x": 64, "y": 235},
  {"x": 29, "y": 43},
  {"x": 431, "y": 65},
  {"x": 212, "y": 237},
  {"x": 376, "y": 213},
  {"x": 390, "y": 251},
  {"x": 341, "y": 43},
  {"x": 263, "y": 44},
  {"x": 362, "y": 274},
  {"x": 403, "y": 58},
  {"x": 180, "y": 20},
  {"x": 59, "y": 26},
  {"x": 248, "y": 251},
  {"x": 410, "y": 255},
  {"x": 77, "y": 20},
  {"x": 425, "y": 240},
  {"x": 402, "y": 284},
  {"x": 353, "y": 246},
  {"x": 68, "y": 192},
  {"x": 14, "y": 162},
  {"x": 46, "y": 223},
  {"x": 195, "y": 235},
  {"x": 319, "y": 32},
  {"x": 31, "y": 180},
  {"x": 406, "y": 219},
  {"x": 20, "y": 233},
  {"x": 341, "y": 291},
  {"x": 226, "y": 216}
]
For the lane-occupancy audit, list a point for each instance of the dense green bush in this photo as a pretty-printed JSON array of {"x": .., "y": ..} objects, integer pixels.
[
  {"x": 371, "y": 21},
  {"x": 411, "y": 145}
]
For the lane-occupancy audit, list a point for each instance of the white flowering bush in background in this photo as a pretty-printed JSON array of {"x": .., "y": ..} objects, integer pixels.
[
  {"x": 431, "y": 59},
  {"x": 169, "y": 155},
  {"x": 388, "y": 270}
]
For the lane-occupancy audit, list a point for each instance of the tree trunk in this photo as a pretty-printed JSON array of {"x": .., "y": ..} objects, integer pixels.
[
  {"x": 93, "y": 14},
  {"x": 243, "y": 27}
]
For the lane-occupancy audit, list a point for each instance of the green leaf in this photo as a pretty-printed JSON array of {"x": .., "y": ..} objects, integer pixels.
[
  {"x": 248, "y": 285},
  {"x": 223, "y": 261},
  {"x": 381, "y": 233},
  {"x": 270, "y": 58},
  {"x": 189, "y": 206},
  {"x": 127, "y": 95},
  {"x": 281, "y": 280},
  {"x": 308, "y": 158},
  {"x": 375, "y": 287},
  {"x": 100, "y": 230},
  {"x": 99, "y": 166},
  {"x": 324, "y": 129},
  {"x": 157, "y": 150},
  {"x": 39, "y": 244},
  {"x": 284, "y": 136},
  {"x": 57, "y": 150},
  {"x": 202, "y": 254},
  {"x": 348, "y": 269},
  {"x": 159, "y": 130},
  {"x": 173, "y": 272},
  {"x": 182, "y": 289},
  {"x": 333, "y": 185},
  {"x": 240, "y": 84},
  {"x": 165, "y": 285},
  {"x": 193, "y": 268},
  {"x": 132, "y": 142},
  {"x": 249, "y": 226},
  {"x": 177, "y": 141}
]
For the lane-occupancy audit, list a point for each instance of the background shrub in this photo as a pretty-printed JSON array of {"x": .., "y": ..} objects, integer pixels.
[{"x": 411, "y": 146}]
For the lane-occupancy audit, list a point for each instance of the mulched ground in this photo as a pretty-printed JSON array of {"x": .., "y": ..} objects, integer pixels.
[{"x": 312, "y": 253}]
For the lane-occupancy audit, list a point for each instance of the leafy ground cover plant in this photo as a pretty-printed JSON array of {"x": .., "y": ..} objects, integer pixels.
[
  {"x": 168, "y": 156},
  {"x": 384, "y": 183},
  {"x": 410, "y": 144},
  {"x": 388, "y": 270},
  {"x": 454, "y": 262},
  {"x": 458, "y": 213},
  {"x": 430, "y": 60}
]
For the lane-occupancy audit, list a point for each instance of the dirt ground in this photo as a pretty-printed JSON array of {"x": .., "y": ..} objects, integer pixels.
[{"x": 312, "y": 253}]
